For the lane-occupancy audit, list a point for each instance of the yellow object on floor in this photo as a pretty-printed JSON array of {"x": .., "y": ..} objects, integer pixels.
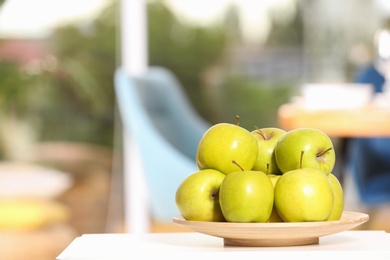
[{"x": 30, "y": 214}]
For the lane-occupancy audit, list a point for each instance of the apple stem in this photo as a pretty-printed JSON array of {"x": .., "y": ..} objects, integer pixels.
[
  {"x": 301, "y": 161},
  {"x": 267, "y": 168},
  {"x": 261, "y": 133},
  {"x": 237, "y": 120},
  {"x": 233, "y": 161},
  {"x": 321, "y": 153}
]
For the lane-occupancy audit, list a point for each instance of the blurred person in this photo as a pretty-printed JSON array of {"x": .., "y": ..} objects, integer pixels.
[{"x": 369, "y": 158}]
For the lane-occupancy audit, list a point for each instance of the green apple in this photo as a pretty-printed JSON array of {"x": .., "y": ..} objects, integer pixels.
[
  {"x": 267, "y": 139},
  {"x": 197, "y": 197},
  {"x": 246, "y": 196},
  {"x": 224, "y": 142},
  {"x": 275, "y": 217},
  {"x": 305, "y": 148},
  {"x": 304, "y": 195},
  {"x": 338, "y": 205}
]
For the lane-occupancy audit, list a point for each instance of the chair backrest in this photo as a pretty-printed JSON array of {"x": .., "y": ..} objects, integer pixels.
[
  {"x": 170, "y": 110},
  {"x": 163, "y": 126}
]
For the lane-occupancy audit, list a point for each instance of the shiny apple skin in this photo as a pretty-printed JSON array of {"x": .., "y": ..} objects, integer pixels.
[
  {"x": 338, "y": 193},
  {"x": 316, "y": 146},
  {"x": 304, "y": 195},
  {"x": 197, "y": 197},
  {"x": 224, "y": 143},
  {"x": 246, "y": 197},
  {"x": 267, "y": 141}
]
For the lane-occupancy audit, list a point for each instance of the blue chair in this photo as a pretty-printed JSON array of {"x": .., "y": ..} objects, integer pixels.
[
  {"x": 369, "y": 158},
  {"x": 166, "y": 129}
]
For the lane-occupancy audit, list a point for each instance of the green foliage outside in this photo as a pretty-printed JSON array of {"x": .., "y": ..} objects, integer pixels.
[
  {"x": 185, "y": 49},
  {"x": 14, "y": 91},
  {"x": 73, "y": 98},
  {"x": 255, "y": 102},
  {"x": 84, "y": 99}
]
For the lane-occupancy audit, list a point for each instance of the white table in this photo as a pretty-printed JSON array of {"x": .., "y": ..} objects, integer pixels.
[{"x": 345, "y": 245}]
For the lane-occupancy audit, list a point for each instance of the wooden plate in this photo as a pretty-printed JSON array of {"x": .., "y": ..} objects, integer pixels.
[{"x": 274, "y": 234}]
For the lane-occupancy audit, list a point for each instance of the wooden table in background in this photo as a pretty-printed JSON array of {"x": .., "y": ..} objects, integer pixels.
[
  {"x": 343, "y": 124},
  {"x": 367, "y": 121}
]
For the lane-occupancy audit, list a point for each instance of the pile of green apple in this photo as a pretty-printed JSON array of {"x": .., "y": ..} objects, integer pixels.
[{"x": 263, "y": 175}]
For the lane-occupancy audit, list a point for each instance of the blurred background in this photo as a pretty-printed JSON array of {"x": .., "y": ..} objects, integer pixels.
[{"x": 58, "y": 118}]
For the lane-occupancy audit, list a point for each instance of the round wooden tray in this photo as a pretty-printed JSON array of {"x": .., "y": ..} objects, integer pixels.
[{"x": 274, "y": 234}]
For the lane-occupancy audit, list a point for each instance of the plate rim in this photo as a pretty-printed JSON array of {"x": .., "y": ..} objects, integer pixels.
[
  {"x": 274, "y": 231},
  {"x": 348, "y": 217}
]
